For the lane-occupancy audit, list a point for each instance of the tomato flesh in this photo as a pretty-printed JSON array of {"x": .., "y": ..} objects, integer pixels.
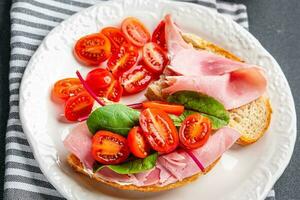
[
  {"x": 122, "y": 61},
  {"x": 99, "y": 79},
  {"x": 158, "y": 35},
  {"x": 135, "y": 31},
  {"x": 78, "y": 106},
  {"x": 114, "y": 91},
  {"x": 136, "y": 79},
  {"x": 93, "y": 49},
  {"x": 66, "y": 88},
  {"x": 154, "y": 57},
  {"x": 159, "y": 130},
  {"x": 194, "y": 131},
  {"x": 167, "y": 107},
  {"x": 116, "y": 38},
  {"x": 137, "y": 142},
  {"x": 109, "y": 148}
]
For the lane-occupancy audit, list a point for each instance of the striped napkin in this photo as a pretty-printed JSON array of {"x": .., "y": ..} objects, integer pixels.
[{"x": 31, "y": 21}]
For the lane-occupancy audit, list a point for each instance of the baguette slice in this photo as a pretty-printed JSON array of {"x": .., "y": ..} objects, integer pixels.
[
  {"x": 251, "y": 120},
  {"x": 75, "y": 163}
]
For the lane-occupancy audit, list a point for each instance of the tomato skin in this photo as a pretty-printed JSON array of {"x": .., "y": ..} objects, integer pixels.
[
  {"x": 158, "y": 35},
  {"x": 116, "y": 38},
  {"x": 135, "y": 31},
  {"x": 135, "y": 79},
  {"x": 155, "y": 57},
  {"x": 194, "y": 131},
  {"x": 167, "y": 107},
  {"x": 92, "y": 50},
  {"x": 99, "y": 79},
  {"x": 159, "y": 130},
  {"x": 122, "y": 61},
  {"x": 78, "y": 106},
  {"x": 109, "y": 148},
  {"x": 66, "y": 88},
  {"x": 137, "y": 143}
]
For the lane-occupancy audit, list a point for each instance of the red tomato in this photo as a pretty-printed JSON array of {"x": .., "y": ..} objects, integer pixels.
[
  {"x": 159, "y": 130},
  {"x": 99, "y": 79},
  {"x": 66, "y": 88},
  {"x": 167, "y": 107},
  {"x": 194, "y": 131},
  {"x": 135, "y": 31},
  {"x": 92, "y": 49},
  {"x": 136, "y": 79},
  {"x": 123, "y": 60},
  {"x": 116, "y": 37},
  {"x": 137, "y": 142},
  {"x": 158, "y": 35},
  {"x": 78, "y": 106},
  {"x": 114, "y": 91},
  {"x": 154, "y": 57},
  {"x": 109, "y": 148}
]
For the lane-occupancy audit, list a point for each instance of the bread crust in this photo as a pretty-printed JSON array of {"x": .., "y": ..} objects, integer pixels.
[{"x": 75, "y": 163}]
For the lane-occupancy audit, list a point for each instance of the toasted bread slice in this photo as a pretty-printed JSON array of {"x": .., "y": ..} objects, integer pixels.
[
  {"x": 251, "y": 120},
  {"x": 75, "y": 163},
  {"x": 200, "y": 43}
]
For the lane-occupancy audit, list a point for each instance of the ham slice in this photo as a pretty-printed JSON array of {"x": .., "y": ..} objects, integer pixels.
[
  {"x": 232, "y": 83},
  {"x": 79, "y": 143},
  {"x": 169, "y": 168}
]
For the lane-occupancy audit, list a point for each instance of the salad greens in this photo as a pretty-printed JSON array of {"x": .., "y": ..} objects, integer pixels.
[
  {"x": 117, "y": 118},
  {"x": 132, "y": 167},
  {"x": 207, "y": 106}
]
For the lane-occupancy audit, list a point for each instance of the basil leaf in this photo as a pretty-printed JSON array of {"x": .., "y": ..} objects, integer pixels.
[
  {"x": 204, "y": 104},
  {"x": 132, "y": 167},
  {"x": 117, "y": 118}
]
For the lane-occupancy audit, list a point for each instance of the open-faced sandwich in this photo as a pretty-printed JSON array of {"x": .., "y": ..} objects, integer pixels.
[{"x": 202, "y": 100}]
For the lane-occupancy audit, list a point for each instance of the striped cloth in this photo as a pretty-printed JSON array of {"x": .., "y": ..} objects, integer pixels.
[{"x": 31, "y": 21}]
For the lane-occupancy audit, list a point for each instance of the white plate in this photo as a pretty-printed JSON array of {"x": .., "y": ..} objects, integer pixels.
[{"x": 242, "y": 173}]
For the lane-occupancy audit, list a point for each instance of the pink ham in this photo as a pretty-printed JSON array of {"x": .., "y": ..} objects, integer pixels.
[
  {"x": 169, "y": 168},
  {"x": 232, "y": 83},
  {"x": 79, "y": 143}
]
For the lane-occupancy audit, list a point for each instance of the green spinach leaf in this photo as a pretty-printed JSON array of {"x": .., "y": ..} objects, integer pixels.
[
  {"x": 117, "y": 118},
  {"x": 207, "y": 106},
  {"x": 132, "y": 167}
]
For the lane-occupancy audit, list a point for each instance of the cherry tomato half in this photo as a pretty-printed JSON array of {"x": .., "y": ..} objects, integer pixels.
[
  {"x": 66, "y": 88},
  {"x": 116, "y": 38},
  {"x": 167, "y": 107},
  {"x": 114, "y": 91},
  {"x": 109, "y": 148},
  {"x": 93, "y": 49},
  {"x": 158, "y": 35},
  {"x": 137, "y": 142},
  {"x": 135, "y": 31},
  {"x": 154, "y": 57},
  {"x": 122, "y": 61},
  {"x": 194, "y": 131},
  {"x": 78, "y": 106},
  {"x": 135, "y": 79},
  {"x": 99, "y": 79},
  {"x": 159, "y": 130}
]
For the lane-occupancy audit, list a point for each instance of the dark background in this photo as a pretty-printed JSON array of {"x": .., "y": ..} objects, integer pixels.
[{"x": 276, "y": 24}]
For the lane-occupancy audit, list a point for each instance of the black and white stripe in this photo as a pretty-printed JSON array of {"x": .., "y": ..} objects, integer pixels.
[{"x": 31, "y": 21}]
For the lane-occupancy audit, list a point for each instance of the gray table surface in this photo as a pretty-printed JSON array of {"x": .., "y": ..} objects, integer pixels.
[{"x": 275, "y": 23}]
